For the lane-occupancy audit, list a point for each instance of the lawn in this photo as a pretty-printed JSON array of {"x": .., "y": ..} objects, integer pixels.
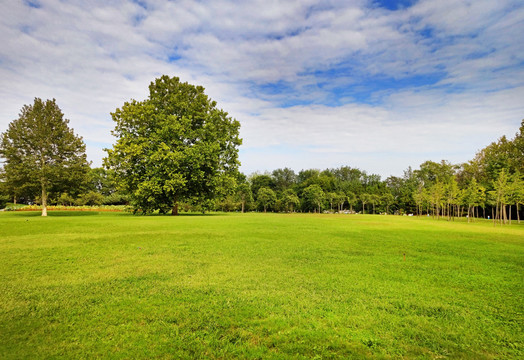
[{"x": 270, "y": 286}]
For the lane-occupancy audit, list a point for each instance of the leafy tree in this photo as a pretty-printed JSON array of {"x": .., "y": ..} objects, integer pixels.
[
  {"x": 452, "y": 193},
  {"x": 517, "y": 192},
  {"x": 352, "y": 199},
  {"x": 314, "y": 196},
  {"x": 65, "y": 199},
  {"x": 174, "y": 146},
  {"x": 42, "y": 154},
  {"x": 91, "y": 198},
  {"x": 430, "y": 172},
  {"x": 266, "y": 197},
  {"x": 500, "y": 195},
  {"x": 374, "y": 199},
  {"x": 388, "y": 199},
  {"x": 351, "y": 179},
  {"x": 244, "y": 194},
  {"x": 284, "y": 178},
  {"x": 261, "y": 180},
  {"x": 332, "y": 197},
  {"x": 419, "y": 198},
  {"x": 4, "y": 195},
  {"x": 437, "y": 195},
  {"x": 102, "y": 181},
  {"x": 290, "y": 200},
  {"x": 364, "y": 199},
  {"x": 341, "y": 199}
]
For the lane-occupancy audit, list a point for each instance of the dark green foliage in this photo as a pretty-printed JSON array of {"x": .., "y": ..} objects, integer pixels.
[
  {"x": 313, "y": 197},
  {"x": 175, "y": 146},
  {"x": 266, "y": 197},
  {"x": 43, "y": 156}
]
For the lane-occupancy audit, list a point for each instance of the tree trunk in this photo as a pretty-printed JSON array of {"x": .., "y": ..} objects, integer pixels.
[
  {"x": 243, "y": 206},
  {"x": 518, "y": 214},
  {"x": 174, "y": 210},
  {"x": 44, "y": 201}
]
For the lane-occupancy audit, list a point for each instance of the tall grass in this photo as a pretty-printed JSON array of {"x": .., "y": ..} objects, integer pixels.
[{"x": 86, "y": 285}]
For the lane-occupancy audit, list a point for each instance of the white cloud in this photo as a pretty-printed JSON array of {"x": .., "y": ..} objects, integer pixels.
[{"x": 93, "y": 56}]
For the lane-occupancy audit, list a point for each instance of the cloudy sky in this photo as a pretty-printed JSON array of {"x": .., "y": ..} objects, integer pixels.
[{"x": 375, "y": 84}]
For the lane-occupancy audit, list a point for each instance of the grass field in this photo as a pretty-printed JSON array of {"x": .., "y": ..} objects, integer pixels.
[{"x": 113, "y": 285}]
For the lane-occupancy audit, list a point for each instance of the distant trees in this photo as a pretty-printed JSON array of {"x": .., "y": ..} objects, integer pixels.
[
  {"x": 176, "y": 148},
  {"x": 266, "y": 197},
  {"x": 42, "y": 154},
  {"x": 314, "y": 197}
]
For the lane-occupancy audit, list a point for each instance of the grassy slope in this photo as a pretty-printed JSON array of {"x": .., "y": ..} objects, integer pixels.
[{"x": 258, "y": 285}]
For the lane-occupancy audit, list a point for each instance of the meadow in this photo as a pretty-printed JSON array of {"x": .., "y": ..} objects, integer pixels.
[{"x": 89, "y": 285}]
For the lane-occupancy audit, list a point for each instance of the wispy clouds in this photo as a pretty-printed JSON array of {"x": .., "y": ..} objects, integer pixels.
[{"x": 376, "y": 84}]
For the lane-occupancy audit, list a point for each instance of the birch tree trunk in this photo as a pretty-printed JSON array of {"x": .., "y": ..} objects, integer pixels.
[{"x": 44, "y": 201}]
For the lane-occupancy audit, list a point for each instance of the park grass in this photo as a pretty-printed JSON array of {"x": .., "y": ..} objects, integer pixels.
[{"x": 276, "y": 286}]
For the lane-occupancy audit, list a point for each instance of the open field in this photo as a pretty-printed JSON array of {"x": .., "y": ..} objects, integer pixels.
[{"x": 87, "y": 285}]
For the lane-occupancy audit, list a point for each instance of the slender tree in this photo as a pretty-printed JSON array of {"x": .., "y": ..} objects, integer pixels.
[
  {"x": 388, "y": 199},
  {"x": 341, "y": 199},
  {"x": 352, "y": 199},
  {"x": 364, "y": 199},
  {"x": 374, "y": 199}
]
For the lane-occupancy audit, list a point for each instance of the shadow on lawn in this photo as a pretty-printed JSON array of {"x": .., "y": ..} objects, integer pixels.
[{"x": 54, "y": 213}]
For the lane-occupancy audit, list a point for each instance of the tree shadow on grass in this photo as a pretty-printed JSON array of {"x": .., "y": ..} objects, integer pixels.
[
  {"x": 53, "y": 213},
  {"x": 182, "y": 214}
]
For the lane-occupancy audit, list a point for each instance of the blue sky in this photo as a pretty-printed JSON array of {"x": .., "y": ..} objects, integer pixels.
[{"x": 375, "y": 84}]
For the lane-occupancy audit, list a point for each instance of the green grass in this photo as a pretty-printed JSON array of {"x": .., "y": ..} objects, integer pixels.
[{"x": 113, "y": 285}]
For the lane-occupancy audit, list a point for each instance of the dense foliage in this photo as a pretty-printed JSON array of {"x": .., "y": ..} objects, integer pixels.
[
  {"x": 176, "y": 146},
  {"x": 491, "y": 185},
  {"x": 177, "y": 149},
  {"x": 42, "y": 155}
]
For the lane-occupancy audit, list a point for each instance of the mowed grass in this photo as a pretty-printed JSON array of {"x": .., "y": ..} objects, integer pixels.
[{"x": 88, "y": 285}]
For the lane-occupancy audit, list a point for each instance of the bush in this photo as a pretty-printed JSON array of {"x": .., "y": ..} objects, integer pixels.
[
  {"x": 4, "y": 199},
  {"x": 116, "y": 199},
  {"x": 65, "y": 199},
  {"x": 91, "y": 198}
]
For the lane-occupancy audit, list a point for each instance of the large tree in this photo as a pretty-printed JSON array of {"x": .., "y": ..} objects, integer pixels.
[
  {"x": 175, "y": 146},
  {"x": 42, "y": 154}
]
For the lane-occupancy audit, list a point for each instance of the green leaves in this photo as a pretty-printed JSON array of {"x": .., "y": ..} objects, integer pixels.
[
  {"x": 175, "y": 146},
  {"x": 42, "y": 153}
]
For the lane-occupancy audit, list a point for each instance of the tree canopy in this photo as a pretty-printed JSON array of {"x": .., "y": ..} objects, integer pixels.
[
  {"x": 174, "y": 146},
  {"x": 42, "y": 154}
]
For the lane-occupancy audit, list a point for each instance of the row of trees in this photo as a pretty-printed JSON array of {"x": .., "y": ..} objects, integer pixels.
[
  {"x": 177, "y": 149},
  {"x": 176, "y": 146},
  {"x": 490, "y": 185}
]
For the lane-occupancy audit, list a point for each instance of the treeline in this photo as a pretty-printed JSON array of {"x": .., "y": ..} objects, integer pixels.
[
  {"x": 152, "y": 169},
  {"x": 490, "y": 185}
]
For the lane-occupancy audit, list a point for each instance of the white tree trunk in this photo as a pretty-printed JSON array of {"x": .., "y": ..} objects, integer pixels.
[{"x": 44, "y": 202}]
